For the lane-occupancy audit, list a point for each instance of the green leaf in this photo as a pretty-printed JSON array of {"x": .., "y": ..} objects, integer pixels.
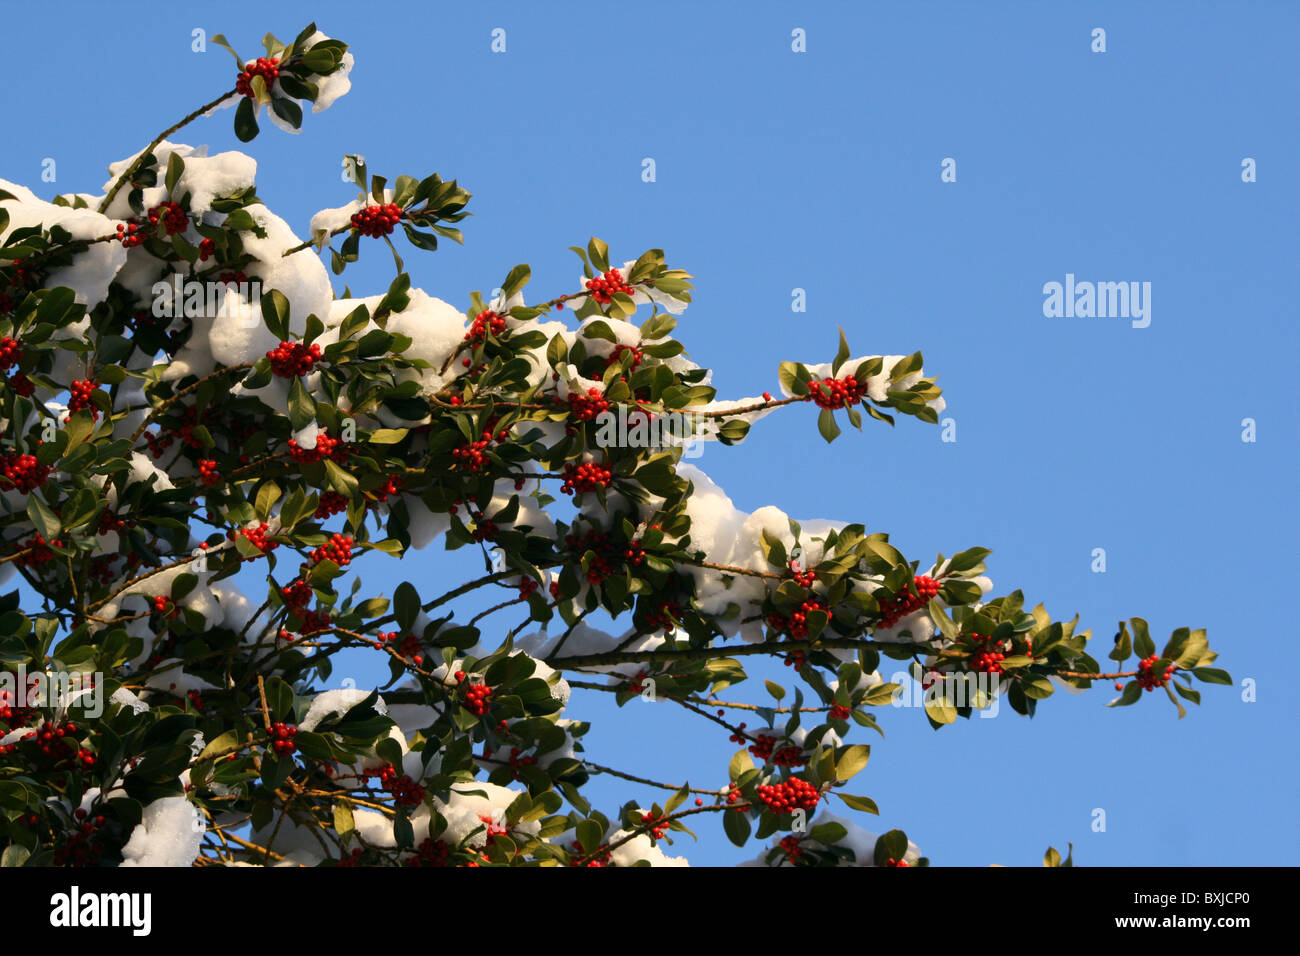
[
  {"x": 826, "y": 425},
  {"x": 890, "y": 846},
  {"x": 841, "y": 356},
  {"x": 1123, "y": 644},
  {"x": 851, "y": 761},
  {"x": 1132, "y": 691},
  {"x": 1142, "y": 642},
  {"x": 46, "y": 521},
  {"x": 775, "y": 689},
  {"x": 598, "y": 251},
  {"x": 343, "y": 822},
  {"x": 275, "y": 312},
  {"x": 245, "y": 120},
  {"x": 940, "y": 709},
  {"x": 175, "y": 166},
  {"x": 223, "y": 743},
  {"x": 865, "y": 804},
  {"x": 736, "y": 826},
  {"x": 1212, "y": 675},
  {"x": 406, "y": 605},
  {"x": 302, "y": 407}
]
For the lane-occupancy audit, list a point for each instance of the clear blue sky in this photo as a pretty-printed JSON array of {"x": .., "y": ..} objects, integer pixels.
[{"x": 821, "y": 171}]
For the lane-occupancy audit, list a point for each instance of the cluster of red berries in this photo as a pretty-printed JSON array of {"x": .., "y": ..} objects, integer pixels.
[
  {"x": 485, "y": 323},
  {"x": 21, "y": 384},
  {"x": 616, "y": 356},
  {"x": 83, "y": 847},
  {"x": 172, "y": 217},
  {"x": 477, "y": 697},
  {"x": 796, "y": 625},
  {"x": 282, "y": 735},
  {"x": 10, "y": 352},
  {"x": 987, "y": 660},
  {"x": 429, "y": 853},
  {"x": 79, "y": 397},
  {"x": 764, "y": 748},
  {"x": 599, "y": 544},
  {"x": 406, "y": 792},
  {"x": 291, "y": 359},
  {"x": 657, "y": 824},
  {"x": 39, "y": 552},
  {"x": 22, "y": 471},
  {"x": 10, "y": 711},
  {"x": 585, "y": 407},
  {"x": 268, "y": 68},
  {"x": 793, "y": 794},
  {"x": 208, "y": 473},
  {"x": 376, "y": 221},
  {"x": 790, "y": 845},
  {"x": 326, "y": 447},
  {"x": 49, "y": 738},
  {"x": 839, "y": 712},
  {"x": 732, "y": 796},
  {"x": 331, "y": 503},
  {"x": 805, "y": 579},
  {"x": 337, "y": 549},
  {"x": 892, "y": 862},
  {"x": 1150, "y": 679},
  {"x": 130, "y": 234},
  {"x": 207, "y": 249},
  {"x": 588, "y": 476},
  {"x": 903, "y": 604},
  {"x": 297, "y": 595},
  {"x": 836, "y": 393},
  {"x": 409, "y": 648},
  {"x": 472, "y": 456},
  {"x": 664, "y": 616},
  {"x": 387, "y": 489},
  {"x": 258, "y": 537},
  {"x": 485, "y": 530},
  {"x": 599, "y": 859},
  {"x": 517, "y": 762},
  {"x": 604, "y": 288},
  {"x": 227, "y": 277}
]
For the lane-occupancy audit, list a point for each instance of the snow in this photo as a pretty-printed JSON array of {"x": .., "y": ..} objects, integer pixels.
[
  {"x": 641, "y": 849},
  {"x": 170, "y": 833},
  {"x": 471, "y": 801},
  {"x": 332, "y": 703},
  {"x": 325, "y": 222},
  {"x": 301, "y": 277},
  {"x": 205, "y": 177},
  {"x": 93, "y": 270}
]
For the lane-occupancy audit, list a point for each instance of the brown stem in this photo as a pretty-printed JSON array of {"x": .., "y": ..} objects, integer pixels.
[{"x": 139, "y": 160}]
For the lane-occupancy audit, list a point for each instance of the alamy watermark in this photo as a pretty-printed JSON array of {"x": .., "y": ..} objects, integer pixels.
[
  {"x": 59, "y": 689},
  {"x": 1102, "y": 300},
  {"x": 179, "y": 297}
]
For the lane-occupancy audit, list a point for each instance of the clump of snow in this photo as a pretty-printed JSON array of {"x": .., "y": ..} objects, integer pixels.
[
  {"x": 92, "y": 270},
  {"x": 470, "y": 803},
  {"x": 332, "y": 703},
  {"x": 328, "y": 221},
  {"x": 170, "y": 833},
  {"x": 641, "y": 849}
]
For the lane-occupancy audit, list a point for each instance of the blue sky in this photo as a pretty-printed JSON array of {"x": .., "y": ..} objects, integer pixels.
[{"x": 820, "y": 170}]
